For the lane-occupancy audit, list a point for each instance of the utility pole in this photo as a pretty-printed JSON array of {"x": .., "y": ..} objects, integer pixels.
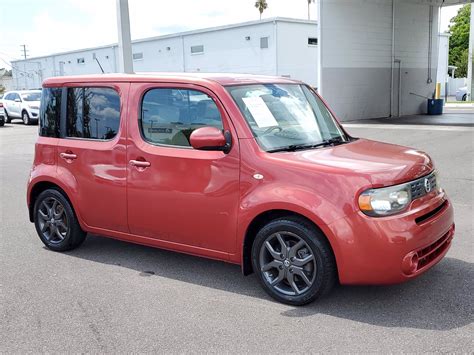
[
  {"x": 24, "y": 51},
  {"x": 125, "y": 63}
]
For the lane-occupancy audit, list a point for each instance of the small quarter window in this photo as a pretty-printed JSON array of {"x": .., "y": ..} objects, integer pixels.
[
  {"x": 264, "y": 42},
  {"x": 197, "y": 49},
  {"x": 50, "y": 112},
  {"x": 169, "y": 116},
  {"x": 92, "y": 113},
  {"x": 312, "y": 41}
]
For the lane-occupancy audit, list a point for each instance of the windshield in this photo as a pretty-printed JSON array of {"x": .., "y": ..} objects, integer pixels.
[
  {"x": 286, "y": 116},
  {"x": 31, "y": 96}
]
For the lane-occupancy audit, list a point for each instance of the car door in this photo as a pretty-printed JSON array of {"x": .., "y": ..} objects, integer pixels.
[
  {"x": 92, "y": 153},
  {"x": 16, "y": 105},
  {"x": 184, "y": 197}
]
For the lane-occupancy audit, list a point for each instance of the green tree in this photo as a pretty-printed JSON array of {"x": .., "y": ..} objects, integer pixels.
[
  {"x": 261, "y": 5},
  {"x": 459, "y": 41}
]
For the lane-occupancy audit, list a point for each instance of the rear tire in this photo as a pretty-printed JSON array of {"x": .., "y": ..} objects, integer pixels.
[
  {"x": 464, "y": 98},
  {"x": 2, "y": 123},
  {"x": 56, "y": 222},
  {"x": 293, "y": 261}
]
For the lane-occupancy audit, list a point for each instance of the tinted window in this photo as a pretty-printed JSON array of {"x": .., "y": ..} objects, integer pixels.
[
  {"x": 92, "y": 113},
  {"x": 50, "y": 112},
  {"x": 169, "y": 116}
]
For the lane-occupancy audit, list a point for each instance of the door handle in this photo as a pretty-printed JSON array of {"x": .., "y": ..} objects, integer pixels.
[
  {"x": 68, "y": 156},
  {"x": 139, "y": 163}
]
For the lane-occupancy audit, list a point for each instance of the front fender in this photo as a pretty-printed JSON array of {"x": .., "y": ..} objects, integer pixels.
[{"x": 297, "y": 200}]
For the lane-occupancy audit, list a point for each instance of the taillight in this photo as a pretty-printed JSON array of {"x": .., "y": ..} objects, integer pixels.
[{"x": 1, "y": 104}]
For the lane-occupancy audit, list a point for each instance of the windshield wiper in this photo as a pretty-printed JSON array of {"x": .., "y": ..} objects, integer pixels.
[{"x": 295, "y": 147}]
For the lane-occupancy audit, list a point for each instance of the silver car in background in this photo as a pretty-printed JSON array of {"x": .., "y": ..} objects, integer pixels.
[
  {"x": 461, "y": 94},
  {"x": 23, "y": 104}
]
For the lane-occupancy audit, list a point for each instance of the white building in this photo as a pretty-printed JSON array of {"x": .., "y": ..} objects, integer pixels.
[
  {"x": 279, "y": 46},
  {"x": 369, "y": 59}
]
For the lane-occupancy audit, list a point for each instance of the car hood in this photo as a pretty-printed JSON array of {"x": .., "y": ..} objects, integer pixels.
[{"x": 383, "y": 164}]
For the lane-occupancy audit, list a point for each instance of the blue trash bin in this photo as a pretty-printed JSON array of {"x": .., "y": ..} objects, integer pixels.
[{"x": 435, "y": 106}]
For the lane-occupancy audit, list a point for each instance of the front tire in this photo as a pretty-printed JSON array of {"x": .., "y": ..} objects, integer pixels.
[
  {"x": 293, "y": 261},
  {"x": 26, "y": 118},
  {"x": 56, "y": 222},
  {"x": 464, "y": 98}
]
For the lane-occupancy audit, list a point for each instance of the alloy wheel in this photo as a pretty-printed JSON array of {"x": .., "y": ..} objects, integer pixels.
[
  {"x": 52, "y": 219},
  {"x": 287, "y": 263},
  {"x": 26, "y": 119}
]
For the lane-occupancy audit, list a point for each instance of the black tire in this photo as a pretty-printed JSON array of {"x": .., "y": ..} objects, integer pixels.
[
  {"x": 7, "y": 118},
  {"x": 464, "y": 98},
  {"x": 50, "y": 233},
  {"x": 25, "y": 118},
  {"x": 322, "y": 272},
  {"x": 2, "y": 123}
]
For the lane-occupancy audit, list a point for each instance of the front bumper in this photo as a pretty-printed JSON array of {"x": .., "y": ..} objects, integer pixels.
[{"x": 394, "y": 249}]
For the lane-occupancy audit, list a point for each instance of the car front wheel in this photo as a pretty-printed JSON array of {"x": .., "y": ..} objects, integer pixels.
[
  {"x": 293, "y": 261},
  {"x": 56, "y": 223},
  {"x": 25, "y": 117}
]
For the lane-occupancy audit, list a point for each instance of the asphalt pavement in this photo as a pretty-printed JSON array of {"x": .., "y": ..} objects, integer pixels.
[{"x": 109, "y": 296}]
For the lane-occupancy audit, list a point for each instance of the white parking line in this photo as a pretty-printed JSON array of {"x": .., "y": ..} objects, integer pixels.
[{"x": 410, "y": 127}]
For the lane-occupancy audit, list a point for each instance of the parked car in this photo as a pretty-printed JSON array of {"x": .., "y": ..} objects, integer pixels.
[
  {"x": 2, "y": 112},
  {"x": 253, "y": 170},
  {"x": 461, "y": 94},
  {"x": 22, "y": 104}
]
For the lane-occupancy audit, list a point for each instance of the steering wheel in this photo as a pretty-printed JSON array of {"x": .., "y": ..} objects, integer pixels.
[{"x": 271, "y": 129}]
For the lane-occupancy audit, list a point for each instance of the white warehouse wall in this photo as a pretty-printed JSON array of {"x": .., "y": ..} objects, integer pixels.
[
  {"x": 295, "y": 58},
  {"x": 356, "y": 56},
  {"x": 226, "y": 49}
]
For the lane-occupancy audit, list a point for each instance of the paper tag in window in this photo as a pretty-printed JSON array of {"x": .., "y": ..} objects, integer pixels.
[{"x": 260, "y": 112}]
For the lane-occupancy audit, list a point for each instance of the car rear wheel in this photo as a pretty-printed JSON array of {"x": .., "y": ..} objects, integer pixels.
[
  {"x": 56, "y": 223},
  {"x": 25, "y": 117},
  {"x": 464, "y": 98},
  {"x": 293, "y": 261}
]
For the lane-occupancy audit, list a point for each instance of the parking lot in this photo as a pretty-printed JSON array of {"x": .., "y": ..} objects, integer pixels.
[{"x": 110, "y": 296}]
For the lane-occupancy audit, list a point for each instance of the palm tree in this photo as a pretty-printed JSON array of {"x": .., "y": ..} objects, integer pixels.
[
  {"x": 309, "y": 3},
  {"x": 261, "y": 5}
]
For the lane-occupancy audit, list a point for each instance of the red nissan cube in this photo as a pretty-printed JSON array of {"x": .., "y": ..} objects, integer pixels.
[{"x": 250, "y": 170}]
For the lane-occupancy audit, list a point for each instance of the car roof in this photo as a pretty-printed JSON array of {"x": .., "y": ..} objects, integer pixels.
[{"x": 188, "y": 78}]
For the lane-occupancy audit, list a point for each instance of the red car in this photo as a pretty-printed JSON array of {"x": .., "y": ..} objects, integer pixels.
[{"x": 251, "y": 170}]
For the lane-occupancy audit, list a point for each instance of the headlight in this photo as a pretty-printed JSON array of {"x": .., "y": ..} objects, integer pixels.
[
  {"x": 385, "y": 201},
  {"x": 34, "y": 107}
]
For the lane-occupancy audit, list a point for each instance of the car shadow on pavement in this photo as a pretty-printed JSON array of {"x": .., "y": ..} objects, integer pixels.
[{"x": 441, "y": 299}]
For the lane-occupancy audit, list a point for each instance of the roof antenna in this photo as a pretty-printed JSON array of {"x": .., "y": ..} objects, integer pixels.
[{"x": 97, "y": 60}]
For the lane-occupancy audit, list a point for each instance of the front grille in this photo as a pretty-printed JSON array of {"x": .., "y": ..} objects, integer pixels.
[
  {"x": 420, "y": 187},
  {"x": 431, "y": 252}
]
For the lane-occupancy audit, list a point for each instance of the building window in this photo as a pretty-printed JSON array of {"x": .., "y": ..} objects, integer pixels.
[
  {"x": 137, "y": 56},
  {"x": 312, "y": 41},
  {"x": 169, "y": 116},
  {"x": 197, "y": 49},
  {"x": 92, "y": 113},
  {"x": 81, "y": 60},
  {"x": 263, "y": 42}
]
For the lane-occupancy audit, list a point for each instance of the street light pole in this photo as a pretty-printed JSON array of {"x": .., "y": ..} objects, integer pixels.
[{"x": 125, "y": 64}]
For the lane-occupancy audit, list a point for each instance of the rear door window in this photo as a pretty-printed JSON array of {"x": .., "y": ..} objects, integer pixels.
[
  {"x": 92, "y": 113},
  {"x": 50, "y": 112},
  {"x": 169, "y": 116}
]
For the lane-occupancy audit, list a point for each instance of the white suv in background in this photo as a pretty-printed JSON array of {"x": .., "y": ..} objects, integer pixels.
[{"x": 23, "y": 104}]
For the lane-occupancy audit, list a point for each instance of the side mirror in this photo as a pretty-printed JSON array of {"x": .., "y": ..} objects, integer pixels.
[
  {"x": 17, "y": 100},
  {"x": 210, "y": 138}
]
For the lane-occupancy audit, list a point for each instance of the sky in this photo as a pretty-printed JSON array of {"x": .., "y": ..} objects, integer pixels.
[{"x": 52, "y": 26}]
